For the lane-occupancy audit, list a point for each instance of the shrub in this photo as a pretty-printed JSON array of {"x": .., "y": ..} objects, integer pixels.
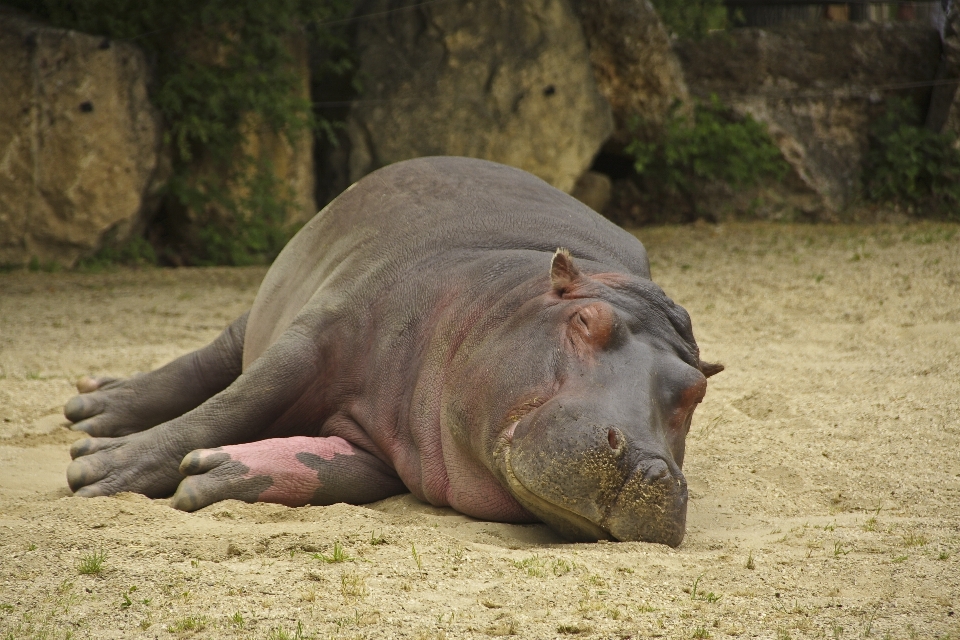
[
  {"x": 718, "y": 145},
  {"x": 907, "y": 163},
  {"x": 692, "y": 19}
]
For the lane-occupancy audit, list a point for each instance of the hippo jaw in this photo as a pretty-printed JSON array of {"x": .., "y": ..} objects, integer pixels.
[
  {"x": 568, "y": 523},
  {"x": 650, "y": 506}
]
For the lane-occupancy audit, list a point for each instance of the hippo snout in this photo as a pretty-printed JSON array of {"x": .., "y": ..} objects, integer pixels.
[
  {"x": 651, "y": 506},
  {"x": 593, "y": 480}
]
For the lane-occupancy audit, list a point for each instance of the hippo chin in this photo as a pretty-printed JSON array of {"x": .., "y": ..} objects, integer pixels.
[{"x": 450, "y": 327}]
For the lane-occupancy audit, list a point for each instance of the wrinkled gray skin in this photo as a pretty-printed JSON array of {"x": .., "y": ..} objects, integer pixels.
[{"x": 423, "y": 333}]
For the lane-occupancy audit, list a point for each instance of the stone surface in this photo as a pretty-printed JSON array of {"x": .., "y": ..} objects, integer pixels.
[
  {"x": 593, "y": 189},
  {"x": 288, "y": 158},
  {"x": 633, "y": 62},
  {"x": 81, "y": 151},
  {"x": 504, "y": 81},
  {"x": 817, "y": 88},
  {"x": 944, "y": 112}
]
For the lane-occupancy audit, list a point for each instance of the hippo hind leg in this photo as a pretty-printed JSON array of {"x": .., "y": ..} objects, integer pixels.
[
  {"x": 108, "y": 407},
  {"x": 293, "y": 471}
]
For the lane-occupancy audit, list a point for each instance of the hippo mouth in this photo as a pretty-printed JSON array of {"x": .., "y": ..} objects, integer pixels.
[
  {"x": 567, "y": 522},
  {"x": 640, "y": 510}
]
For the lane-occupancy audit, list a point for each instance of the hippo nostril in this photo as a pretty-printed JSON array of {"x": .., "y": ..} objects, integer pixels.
[
  {"x": 615, "y": 439},
  {"x": 657, "y": 470}
]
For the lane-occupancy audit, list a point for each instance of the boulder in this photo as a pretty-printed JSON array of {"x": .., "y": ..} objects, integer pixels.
[
  {"x": 634, "y": 64},
  {"x": 593, "y": 189},
  {"x": 817, "y": 88},
  {"x": 944, "y": 112},
  {"x": 504, "y": 81},
  {"x": 81, "y": 146}
]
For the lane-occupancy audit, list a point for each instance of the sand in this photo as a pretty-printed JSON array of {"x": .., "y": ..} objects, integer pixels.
[{"x": 824, "y": 472}]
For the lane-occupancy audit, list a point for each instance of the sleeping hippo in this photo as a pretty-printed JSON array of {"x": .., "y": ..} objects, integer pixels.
[{"x": 451, "y": 327}]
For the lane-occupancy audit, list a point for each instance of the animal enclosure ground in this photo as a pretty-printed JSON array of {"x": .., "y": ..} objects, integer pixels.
[{"x": 824, "y": 472}]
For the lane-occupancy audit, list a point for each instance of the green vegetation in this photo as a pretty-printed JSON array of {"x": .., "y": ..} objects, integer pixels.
[
  {"x": 137, "y": 252},
  {"x": 417, "y": 558},
  {"x": 717, "y": 146},
  {"x": 909, "y": 164},
  {"x": 339, "y": 554},
  {"x": 709, "y": 597},
  {"x": 692, "y": 19},
  {"x": 190, "y": 624},
  {"x": 278, "y": 633},
  {"x": 223, "y": 68},
  {"x": 92, "y": 563}
]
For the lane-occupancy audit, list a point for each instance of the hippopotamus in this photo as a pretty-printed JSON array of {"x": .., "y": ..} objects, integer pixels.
[{"x": 449, "y": 327}]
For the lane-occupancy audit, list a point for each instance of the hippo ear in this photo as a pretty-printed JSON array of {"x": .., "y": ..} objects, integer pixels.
[
  {"x": 710, "y": 369},
  {"x": 562, "y": 271}
]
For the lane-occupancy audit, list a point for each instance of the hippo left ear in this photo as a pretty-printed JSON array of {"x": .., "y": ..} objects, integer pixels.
[
  {"x": 562, "y": 271},
  {"x": 710, "y": 369}
]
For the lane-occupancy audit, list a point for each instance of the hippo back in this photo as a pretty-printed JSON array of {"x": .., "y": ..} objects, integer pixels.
[{"x": 423, "y": 215}]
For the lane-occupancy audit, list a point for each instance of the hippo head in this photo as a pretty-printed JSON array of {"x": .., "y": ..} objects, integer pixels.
[{"x": 595, "y": 384}]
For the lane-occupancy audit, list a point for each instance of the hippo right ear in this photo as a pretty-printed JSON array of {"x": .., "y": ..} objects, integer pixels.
[
  {"x": 563, "y": 272},
  {"x": 710, "y": 368}
]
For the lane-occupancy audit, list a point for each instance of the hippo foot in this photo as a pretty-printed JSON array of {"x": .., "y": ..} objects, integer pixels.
[
  {"x": 137, "y": 462},
  {"x": 111, "y": 407},
  {"x": 292, "y": 471}
]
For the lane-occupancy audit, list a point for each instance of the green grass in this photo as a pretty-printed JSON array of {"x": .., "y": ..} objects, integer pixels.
[
  {"x": 92, "y": 564},
  {"x": 709, "y": 597},
  {"x": 190, "y": 624},
  {"x": 339, "y": 554},
  {"x": 237, "y": 620},
  {"x": 416, "y": 557},
  {"x": 534, "y": 566}
]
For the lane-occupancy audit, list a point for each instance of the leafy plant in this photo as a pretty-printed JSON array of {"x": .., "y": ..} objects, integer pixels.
[
  {"x": 692, "y": 19},
  {"x": 223, "y": 69},
  {"x": 718, "y": 145},
  {"x": 910, "y": 164}
]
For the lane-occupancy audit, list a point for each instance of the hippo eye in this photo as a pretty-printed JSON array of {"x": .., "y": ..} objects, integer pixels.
[{"x": 594, "y": 323}]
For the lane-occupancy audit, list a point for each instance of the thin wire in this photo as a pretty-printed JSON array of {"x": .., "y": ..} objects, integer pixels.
[
  {"x": 380, "y": 13},
  {"x": 854, "y": 92}
]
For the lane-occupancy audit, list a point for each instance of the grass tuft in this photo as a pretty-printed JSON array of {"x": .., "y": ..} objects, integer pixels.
[
  {"x": 339, "y": 554},
  {"x": 92, "y": 564},
  {"x": 190, "y": 624}
]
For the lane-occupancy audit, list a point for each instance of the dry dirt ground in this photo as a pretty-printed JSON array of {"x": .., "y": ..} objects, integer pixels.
[{"x": 824, "y": 468}]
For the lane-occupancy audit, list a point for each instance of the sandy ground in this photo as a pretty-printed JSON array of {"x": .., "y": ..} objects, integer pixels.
[{"x": 824, "y": 469}]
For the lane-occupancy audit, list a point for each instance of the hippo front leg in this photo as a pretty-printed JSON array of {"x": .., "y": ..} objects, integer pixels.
[
  {"x": 292, "y": 471},
  {"x": 148, "y": 462},
  {"x": 111, "y": 407}
]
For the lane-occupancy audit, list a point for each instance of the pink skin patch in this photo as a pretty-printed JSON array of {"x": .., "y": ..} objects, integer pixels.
[{"x": 294, "y": 483}]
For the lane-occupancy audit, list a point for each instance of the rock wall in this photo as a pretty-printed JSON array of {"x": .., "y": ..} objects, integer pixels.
[
  {"x": 81, "y": 150},
  {"x": 944, "y": 113},
  {"x": 504, "y": 80},
  {"x": 817, "y": 88},
  {"x": 634, "y": 64}
]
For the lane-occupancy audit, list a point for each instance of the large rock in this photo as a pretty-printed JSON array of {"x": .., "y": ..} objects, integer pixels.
[
  {"x": 508, "y": 81},
  {"x": 81, "y": 147},
  {"x": 634, "y": 64},
  {"x": 817, "y": 88},
  {"x": 944, "y": 112}
]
